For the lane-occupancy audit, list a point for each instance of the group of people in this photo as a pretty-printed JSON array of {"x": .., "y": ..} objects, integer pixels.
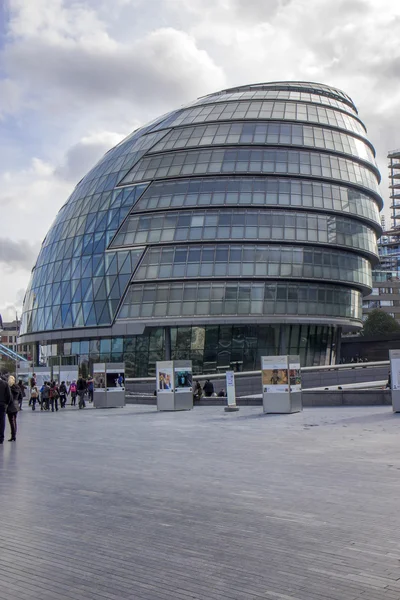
[
  {"x": 50, "y": 396},
  {"x": 208, "y": 389}
]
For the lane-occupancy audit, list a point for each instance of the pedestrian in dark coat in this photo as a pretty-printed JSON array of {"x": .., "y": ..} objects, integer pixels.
[
  {"x": 5, "y": 399},
  {"x": 54, "y": 395},
  {"x": 13, "y": 407},
  {"x": 208, "y": 388},
  {"x": 81, "y": 388},
  {"x": 63, "y": 394}
]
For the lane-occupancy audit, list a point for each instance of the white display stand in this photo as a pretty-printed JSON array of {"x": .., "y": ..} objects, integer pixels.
[
  {"x": 42, "y": 374},
  {"x": 174, "y": 385},
  {"x": 67, "y": 373},
  {"x": 230, "y": 392},
  {"x": 109, "y": 385},
  {"x": 281, "y": 384},
  {"x": 394, "y": 357}
]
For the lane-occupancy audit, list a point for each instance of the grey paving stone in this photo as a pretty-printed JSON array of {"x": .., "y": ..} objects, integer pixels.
[{"x": 134, "y": 504}]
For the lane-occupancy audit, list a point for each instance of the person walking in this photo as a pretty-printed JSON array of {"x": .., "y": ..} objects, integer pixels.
[
  {"x": 32, "y": 383},
  {"x": 72, "y": 391},
  {"x": 208, "y": 388},
  {"x": 63, "y": 394},
  {"x": 81, "y": 387},
  {"x": 90, "y": 389},
  {"x": 5, "y": 400},
  {"x": 34, "y": 396},
  {"x": 22, "y": 387},
  {"x": 54, "y": 395},
  {"x": 45, "y": 389},
  {"x": 13, "y": 407}
]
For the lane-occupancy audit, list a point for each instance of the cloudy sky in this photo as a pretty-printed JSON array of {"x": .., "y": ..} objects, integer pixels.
[{"x": 76, "y": 77}]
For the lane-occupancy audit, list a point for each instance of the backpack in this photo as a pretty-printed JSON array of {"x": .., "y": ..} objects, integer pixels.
[
  {"x": 72, "y": 387},
  {"x": 54, "y": 393}
]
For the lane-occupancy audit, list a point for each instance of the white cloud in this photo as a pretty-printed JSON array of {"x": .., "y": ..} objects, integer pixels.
[
  {"x": 19, "y": 254},
  {"x": 69, "y": 53},
  {"x": 10, "y": 97},
  {"x": 82, "y": 156}
]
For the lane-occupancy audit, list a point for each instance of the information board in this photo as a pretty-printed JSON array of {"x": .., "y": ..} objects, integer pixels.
[
  {"x": 395, "y": 369},
  {"x": 230, "y": 388},
  {"x": 274, "y": 372}
]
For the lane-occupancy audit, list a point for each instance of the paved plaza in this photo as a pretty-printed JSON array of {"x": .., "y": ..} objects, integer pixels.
[{"x": 134, "y": 504}]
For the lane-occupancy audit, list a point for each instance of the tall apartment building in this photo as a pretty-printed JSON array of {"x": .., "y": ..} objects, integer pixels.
[{"x": 386, "y": 279}]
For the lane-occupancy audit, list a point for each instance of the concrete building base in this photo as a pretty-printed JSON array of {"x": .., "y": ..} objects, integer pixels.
[{"x": 317, "y": 398}]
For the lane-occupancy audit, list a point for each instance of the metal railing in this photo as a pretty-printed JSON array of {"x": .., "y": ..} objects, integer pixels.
[
  {"x": 347, "y": 366},
  {"x": 5, "y": 351}
]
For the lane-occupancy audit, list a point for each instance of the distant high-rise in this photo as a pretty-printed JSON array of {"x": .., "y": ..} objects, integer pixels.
[
  {"x": 241, "y": 225},
  {"x": 394, "y": 183},
  {"x": 385, "y": 293}
]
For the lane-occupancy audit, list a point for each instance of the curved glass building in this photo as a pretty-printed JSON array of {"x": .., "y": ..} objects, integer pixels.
[{"x": 241, "y": 225}]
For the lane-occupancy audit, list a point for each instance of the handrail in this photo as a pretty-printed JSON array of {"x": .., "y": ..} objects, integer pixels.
[
  {"x": 363, "y": 365},
  {"x": 5, "y": 352},
  {"x": 13, "y": 354}
]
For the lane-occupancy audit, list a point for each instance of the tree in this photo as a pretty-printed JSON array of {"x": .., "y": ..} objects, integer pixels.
[{"x": 379, "y": 323}]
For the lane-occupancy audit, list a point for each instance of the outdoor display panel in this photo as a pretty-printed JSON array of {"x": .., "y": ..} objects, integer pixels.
[
  {"x": 394, "y": 356},
  {"x": 174, "y": 385},
  {"x": 281, "y": 384},
  {"x": 109, "y": 385},
  {"x": 65, "y": 373},
  {"x": 294, "y": 375},
  {"x": 42, "y": 374}
]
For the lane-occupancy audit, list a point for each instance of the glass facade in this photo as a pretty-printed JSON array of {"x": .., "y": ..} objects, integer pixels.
[
  {"x": 240, "y": 225},
  {"x": 234, "y": 260},
  {"x": 211, "y": 348},
  {"x": 250, "y": 160},
  {"x": 268, "y": 109},
  {"x": 265, "y": 134},
  {"x": 256, "y": 191},
  {"x": 249, "y": 299}
]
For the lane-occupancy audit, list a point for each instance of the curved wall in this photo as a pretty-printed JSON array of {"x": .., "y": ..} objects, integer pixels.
[{"x": 258, "y": 204}]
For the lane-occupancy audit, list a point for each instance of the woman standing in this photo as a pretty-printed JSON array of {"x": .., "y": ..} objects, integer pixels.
[{"x": 13, "y": 407}]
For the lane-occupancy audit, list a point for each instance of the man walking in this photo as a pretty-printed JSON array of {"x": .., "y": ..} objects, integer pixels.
[
  {"x": 81, "y": 388},
  {"x": 5, "y": 399}
]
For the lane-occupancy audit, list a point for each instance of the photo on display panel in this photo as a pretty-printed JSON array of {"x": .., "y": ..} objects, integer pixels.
[
  {"x": 115, "y": 379},
  {"x": 99, "y": 380},
  {"x": 165, "y": 380},
  {"x": 183, "y": 379}
]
